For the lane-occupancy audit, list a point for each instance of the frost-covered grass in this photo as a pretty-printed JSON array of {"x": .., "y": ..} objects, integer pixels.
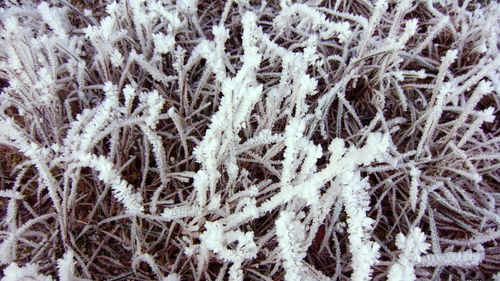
[{"x": 249, "y": 140}]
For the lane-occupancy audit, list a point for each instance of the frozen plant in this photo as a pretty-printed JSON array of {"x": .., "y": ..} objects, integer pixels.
[
  {"x": 412, "y": 246},
  {"x": 28, "y": 272},
  {"x": 249, "y": 140}
]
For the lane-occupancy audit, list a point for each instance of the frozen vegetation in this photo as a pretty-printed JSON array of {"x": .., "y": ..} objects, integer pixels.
[{"x": 249, "y": 140}]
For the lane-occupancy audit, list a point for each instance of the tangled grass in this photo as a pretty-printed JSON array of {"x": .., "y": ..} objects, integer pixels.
[{"x": 249, "y": 140}]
